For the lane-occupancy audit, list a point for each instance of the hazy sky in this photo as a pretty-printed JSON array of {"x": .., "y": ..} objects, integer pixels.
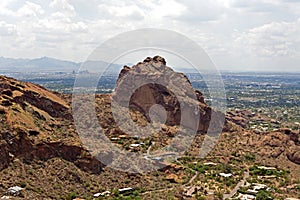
[{"x": 236, "y": 34}]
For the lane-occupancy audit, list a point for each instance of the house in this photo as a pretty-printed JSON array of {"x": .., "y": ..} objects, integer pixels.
[
  {"x": 246, "y": 196},
  {"x": 252, "y": 191},
  {"x": 225, "y": 175},
  {"x": 16, "y": 190},
  {"x": 124, "y": 190},
  {"x": 257, "y": 186},
  {"x": 210, "y": 164},
  {"x": 266, "y": 168},
  {"x": 134, "y": 145},
  {"x": 106, "y": 193}
]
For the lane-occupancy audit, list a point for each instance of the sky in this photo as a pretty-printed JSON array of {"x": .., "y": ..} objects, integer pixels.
[{"x": 253, "y": 35}]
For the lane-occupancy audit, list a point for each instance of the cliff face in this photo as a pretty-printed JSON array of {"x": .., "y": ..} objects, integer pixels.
[
  {"x": 36, "y": 124},
  {"x": 152, "y": 82}
]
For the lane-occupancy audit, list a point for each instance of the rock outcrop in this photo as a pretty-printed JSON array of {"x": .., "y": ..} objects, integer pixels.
[
  {"x": 35, "y": 124},
  {"x": 151, "y": 82},
  {"x": 278, "y": 144},
  {"x": 238, "y": 117}
]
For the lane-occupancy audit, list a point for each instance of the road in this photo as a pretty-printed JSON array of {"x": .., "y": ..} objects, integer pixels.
[{"x": 237, "y": 187}]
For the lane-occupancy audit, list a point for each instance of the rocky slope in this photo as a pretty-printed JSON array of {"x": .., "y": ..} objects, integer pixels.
[
  {"x": 282, "y": 142},
  {"x": 41, "y": 151},
  {"x": 34, "y": 125}
]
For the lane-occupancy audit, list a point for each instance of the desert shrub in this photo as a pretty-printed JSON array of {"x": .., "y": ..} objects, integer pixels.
[
  {"x": 263, "y": 195},
  {"x": 71, "y": 195},
  {"x": 249, "y": 157}
]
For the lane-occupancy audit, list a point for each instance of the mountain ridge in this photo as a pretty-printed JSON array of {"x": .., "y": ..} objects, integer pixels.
[
  {"x": 48, "y": 64},
  {"x": 40, "y": 149}
]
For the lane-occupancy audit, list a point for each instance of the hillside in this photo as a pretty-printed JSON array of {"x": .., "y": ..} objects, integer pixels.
[{"x": 40, "y": 149}]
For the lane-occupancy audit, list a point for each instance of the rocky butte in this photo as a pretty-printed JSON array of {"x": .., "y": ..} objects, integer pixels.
[{"x": 152, "y": 82}]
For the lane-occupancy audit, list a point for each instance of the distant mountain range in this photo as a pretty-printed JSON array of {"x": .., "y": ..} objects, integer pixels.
[{"x": 46, "y": 64}]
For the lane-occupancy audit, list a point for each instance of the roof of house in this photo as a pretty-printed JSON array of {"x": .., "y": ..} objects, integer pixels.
[{"x": 14, "y": 189}]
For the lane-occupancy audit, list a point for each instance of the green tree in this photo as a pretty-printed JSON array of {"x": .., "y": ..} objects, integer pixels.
[{"x": 263, "y": 195}]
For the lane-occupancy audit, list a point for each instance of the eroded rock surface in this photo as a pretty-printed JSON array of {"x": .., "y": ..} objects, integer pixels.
[
  {"x": 152, "y": 82},
  {"x": 36, "y": 124}
]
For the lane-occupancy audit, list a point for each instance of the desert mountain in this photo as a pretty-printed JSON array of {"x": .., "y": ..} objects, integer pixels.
[
  {"x": 152, "y": 82},
  {"x": 46, "y": 64},
  {"x": 37, "y": 64},
  {"x": 40, "y": 149}
]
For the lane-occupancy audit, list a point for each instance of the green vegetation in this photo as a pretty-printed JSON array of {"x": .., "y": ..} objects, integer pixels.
[
  {"x": 263, "y": 195},
  {"x": 267, "y": 172},
  {"x": 135, "y": 195},
  {"x": 199, "y": 167},
  {"x": 249, "y": 157},
  {"x": 71, "y": 195}
]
